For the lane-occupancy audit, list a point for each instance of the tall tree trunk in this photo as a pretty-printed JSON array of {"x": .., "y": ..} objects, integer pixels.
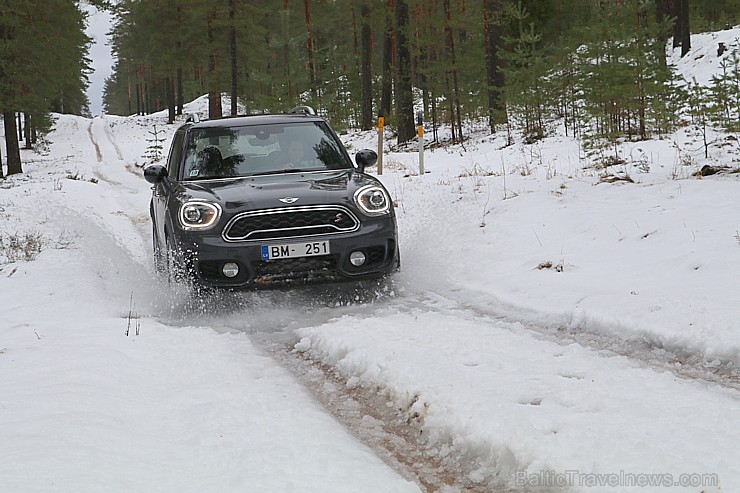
[
  {"x": 148, "y": 97},
  {"x": 180, "y": 98},
  {"x": 434, "y": 117},
  {"x": 128, "y": 89},
  {"x": 683, "y": 20},
  {"x": 386, "y": 95},
  {"x": 404, "y": 95},
  {"x": 675, "y": 12},
  {"x": 681, "y": 32},
  {"x": 310, "y": 46},
  {"x": 139, "y": 106},
  {"x": 11, "y": 143},
  {"x": 419, "y": 58},
  {"x": 215, "y": 110},
  {"x": 453, "y": 59},
  {"x": 214, "y": 90},
  {"x": 662, "y": 16},
  {"x": 493, "y": 12},
  {"x": 355, "y": 43},
  {"x": 366, "y": 68},
  {"x": 170, "y": 96},
  {"x": 3, "y": 36},
  {"x": 27, "y": 130},
  {"x": 286, "y": 48},
  {"x": 452, "y": 106},
  {"x": 232, "y": 49}
]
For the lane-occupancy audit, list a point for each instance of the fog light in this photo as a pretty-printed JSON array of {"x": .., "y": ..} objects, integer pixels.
[
  {"x": 230, "y": 269},
  {"x": 357, "y": 258}
]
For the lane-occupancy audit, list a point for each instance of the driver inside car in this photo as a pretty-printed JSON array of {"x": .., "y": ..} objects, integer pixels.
[{"x": 298, "y": 157}]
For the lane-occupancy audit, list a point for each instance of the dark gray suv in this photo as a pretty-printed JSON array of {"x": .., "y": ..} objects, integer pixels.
[{"x": 258, "y": 200}]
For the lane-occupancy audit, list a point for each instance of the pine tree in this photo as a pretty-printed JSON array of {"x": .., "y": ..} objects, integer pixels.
[
  {"x": 528, "y": 89},
  {"x": 700, "y": 110},
  {"x": 627, "y": 91},
  {"x": 43, "y": 66},
  {"x": 724, "y": 92},
  {"x": 155, "y": 148}
]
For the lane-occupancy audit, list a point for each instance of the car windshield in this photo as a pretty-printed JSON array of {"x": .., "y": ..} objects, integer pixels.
[{"x": 221, "y": 152}]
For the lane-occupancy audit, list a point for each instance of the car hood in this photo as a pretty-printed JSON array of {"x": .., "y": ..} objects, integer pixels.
[{"x": 264, "y": 192}]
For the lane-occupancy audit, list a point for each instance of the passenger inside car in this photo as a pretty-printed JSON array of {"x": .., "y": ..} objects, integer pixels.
[{"x": 210, "y": 163}]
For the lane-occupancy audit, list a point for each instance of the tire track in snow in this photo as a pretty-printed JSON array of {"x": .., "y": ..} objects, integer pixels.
[
  {"x": 389, "y": 431},
  {"x": 105, "y": 146},
  {"x": 648, "y": 352},
  {"x": 396, "y": 434},
  {"x": 112, "y": 141},
  {"x": 270, "y": 318},
  {"x": 95, "y": 144}
]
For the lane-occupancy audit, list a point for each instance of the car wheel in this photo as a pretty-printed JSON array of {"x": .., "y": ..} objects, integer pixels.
[
  {"x": 160, "y": 261},
  {"x": 170, "y": 262},
  {"x": 177, "y": 268}
]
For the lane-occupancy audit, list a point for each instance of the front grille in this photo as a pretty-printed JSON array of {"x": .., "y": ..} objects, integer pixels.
[
  {"x": 290, "y": 222},
  {"x": 295, "y": 265}
]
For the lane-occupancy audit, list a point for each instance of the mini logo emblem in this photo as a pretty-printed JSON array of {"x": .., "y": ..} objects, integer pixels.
[{"x": 288, "y": 200}]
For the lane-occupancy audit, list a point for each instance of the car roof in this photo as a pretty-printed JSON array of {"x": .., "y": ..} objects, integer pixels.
[{"x": 246, "y": 120}]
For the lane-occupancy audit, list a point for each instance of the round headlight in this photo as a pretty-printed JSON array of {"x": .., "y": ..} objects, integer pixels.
[
  {"x": 195, "y": 215},
  {"x": 373, "y": 200},
  {"x": 192, "y": 214},
  {"x": 377, "y": 199}
]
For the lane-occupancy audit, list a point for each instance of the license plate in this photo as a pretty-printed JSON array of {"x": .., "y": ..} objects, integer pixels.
[{"x": 295, "y": 250}]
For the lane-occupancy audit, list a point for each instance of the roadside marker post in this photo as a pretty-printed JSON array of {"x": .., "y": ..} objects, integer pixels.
[
  {"x": 381, "y": 124},
  {"x": 420, "y": 133}
]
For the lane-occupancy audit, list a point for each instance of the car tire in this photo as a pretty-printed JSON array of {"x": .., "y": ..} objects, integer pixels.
[
  {"x": 170, "y": 262},
  {"x": 160, "y": 260},
  {"x": 178, "y": 270}
]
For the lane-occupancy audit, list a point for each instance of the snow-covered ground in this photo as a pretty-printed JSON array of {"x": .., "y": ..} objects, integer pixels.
[{"x": 548, "y": 331}]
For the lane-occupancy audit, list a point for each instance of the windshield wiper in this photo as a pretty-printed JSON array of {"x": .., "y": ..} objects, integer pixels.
[{"x": 286, "y": 171}]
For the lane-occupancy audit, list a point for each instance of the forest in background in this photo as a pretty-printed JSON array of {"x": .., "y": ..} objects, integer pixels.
[
  {"x": 598, "y": 67},
  {"x": 598, "y": 63},
  {"x": 43, "y": 68}
]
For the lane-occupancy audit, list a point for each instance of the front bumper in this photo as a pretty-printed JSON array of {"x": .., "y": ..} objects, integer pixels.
[{"x": 205, "y": 255}]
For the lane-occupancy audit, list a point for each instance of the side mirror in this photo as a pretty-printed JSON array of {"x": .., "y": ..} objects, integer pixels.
[
  {"x": 155, "y": 173},
  {"x": 365, "y": 158}
]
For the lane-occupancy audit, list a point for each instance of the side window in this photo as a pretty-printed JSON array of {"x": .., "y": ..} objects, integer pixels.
[{"x": 173, "y": 160}]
